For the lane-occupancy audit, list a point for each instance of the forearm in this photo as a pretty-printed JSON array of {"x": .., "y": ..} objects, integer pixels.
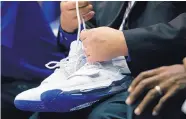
[{"x": 156, "y": 45}]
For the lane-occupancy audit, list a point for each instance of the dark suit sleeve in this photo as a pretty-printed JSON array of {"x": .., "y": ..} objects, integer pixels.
[
  {"x": 157, "y": 45},
  {"x": 92, "y": 23}
]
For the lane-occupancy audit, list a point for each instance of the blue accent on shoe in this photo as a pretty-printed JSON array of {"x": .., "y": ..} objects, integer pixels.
[
  {"x": 36, "y": 106},
  {"x": 60, "y": 101}
]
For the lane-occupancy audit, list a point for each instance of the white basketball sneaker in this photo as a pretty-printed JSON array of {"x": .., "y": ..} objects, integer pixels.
[
  {"x": 82, "y": 88},
  {"x": 95, "y": 76},
  {"x": 89, "y": 84},
  {"x": 63, "y": 69},
  {"x": 31, "y": 99}
]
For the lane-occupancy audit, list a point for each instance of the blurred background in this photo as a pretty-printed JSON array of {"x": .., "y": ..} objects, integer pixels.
[
  {"x": 28, "y": 38},
  {"x": 29, "y": 31}
]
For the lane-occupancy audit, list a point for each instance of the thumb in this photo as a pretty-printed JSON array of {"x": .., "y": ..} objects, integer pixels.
[{"x": 84, "y": 34}]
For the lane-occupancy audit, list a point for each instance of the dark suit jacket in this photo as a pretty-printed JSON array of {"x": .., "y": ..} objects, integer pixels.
[{"x": 155, "y": 31}]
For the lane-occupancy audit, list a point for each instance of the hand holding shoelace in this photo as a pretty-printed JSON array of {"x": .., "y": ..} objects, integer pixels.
[
  {"x": 103, "y": 43},
  {"x": 164, "y": 83},
  {"x": 69, "y": 20}
]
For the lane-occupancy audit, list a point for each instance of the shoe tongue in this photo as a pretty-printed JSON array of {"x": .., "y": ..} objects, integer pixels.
[{"x": 75, "y": 46}]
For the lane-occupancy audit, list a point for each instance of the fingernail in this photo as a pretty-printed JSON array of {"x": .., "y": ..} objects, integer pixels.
[
  {"x": 129, "y": 89},
  {"x": 137, "y": 111},
  {"x": 154, "y": 113},
  {"x": 128, "y": 101}
]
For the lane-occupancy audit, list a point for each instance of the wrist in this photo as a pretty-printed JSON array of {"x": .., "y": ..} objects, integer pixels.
[
  {"x": 123, "y": 45},
  {"x": 66, "y": 26},
  {"x": 67, "y": 29}
]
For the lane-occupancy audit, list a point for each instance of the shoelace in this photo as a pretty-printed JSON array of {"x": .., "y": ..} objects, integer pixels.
[
  {"x": 64, "y": 63},
  {"x": 96, "y": 64},
  {"x": 68, "y": 60},
  {"x": 87, "y": 65}
]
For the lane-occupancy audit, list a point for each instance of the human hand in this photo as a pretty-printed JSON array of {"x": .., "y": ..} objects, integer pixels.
[
  {"x": 184, "y": 62},
  {"x": 103, "y": 43},
  {"x": 68, "y": 16},
  {"x": 170, "y": 81}
]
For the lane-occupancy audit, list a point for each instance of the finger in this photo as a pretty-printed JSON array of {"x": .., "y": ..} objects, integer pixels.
[
  {"x": 86, "y": 9},
  {"x": 184, "y": 62},
  {"x": 65, "y": 5},
  {"x": 85, "y": 43},
  {"x": 151, "y": 96},
  {"x": 164, "y": 99},
  {"x": 142, "y": 76},
  {"x": 71, "y": 14},
  {"x": 88, "y": 16},
  {"x": 83, "y": 4},
  {"x": 142, "y": 87},
  {"x": 177, "y": 83},
  {"x": 62, "y": 5},
  {"x": 180, "y": 80},
  {"x": 83, "y": 11},
  {"x": 72, "y": 4},
  {"x": 90, "y": 59},
  {"x": 86, "y": 52},
  {"x": 84, "y": 34}
]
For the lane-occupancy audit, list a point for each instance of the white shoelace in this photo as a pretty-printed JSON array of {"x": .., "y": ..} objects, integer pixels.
[
  {"x": 64, "y": 63},
  {"x": 95, "y": 65},
  {"x": 87, "y": 65},
  {"x": 69, "y": 60}
]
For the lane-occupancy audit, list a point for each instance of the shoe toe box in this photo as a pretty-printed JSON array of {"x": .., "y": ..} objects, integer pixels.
[
  {"x": 30, "y": 101},
  {"x": 30, "y": 95}
]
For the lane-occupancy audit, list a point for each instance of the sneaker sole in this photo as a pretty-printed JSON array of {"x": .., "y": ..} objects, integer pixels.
[
  {"x": 59, "y": 101},
  {"x": 35, "y": 106}
]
